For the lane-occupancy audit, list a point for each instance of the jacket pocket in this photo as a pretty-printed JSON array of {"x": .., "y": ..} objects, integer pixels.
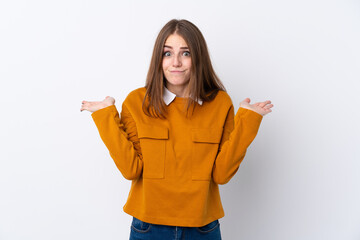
[
  {"x": 204, "y": 151},
  {"x": 140, "y": 226},
  {"x": 153, "y": 148},
  {"x": 210, "y": 227}
]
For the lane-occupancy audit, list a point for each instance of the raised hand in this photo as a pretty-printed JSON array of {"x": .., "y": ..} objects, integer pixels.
[
  {"x": 94, "y": 106},
  {"x": 262, "y": 108}
]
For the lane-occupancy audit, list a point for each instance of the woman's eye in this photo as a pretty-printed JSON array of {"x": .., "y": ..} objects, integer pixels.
[
  {"x": 186, "y": 53},
  {"x": 166, "y": 54}
]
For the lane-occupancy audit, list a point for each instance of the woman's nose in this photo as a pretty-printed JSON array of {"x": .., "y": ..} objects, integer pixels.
[{"x": 176, "y": 62}]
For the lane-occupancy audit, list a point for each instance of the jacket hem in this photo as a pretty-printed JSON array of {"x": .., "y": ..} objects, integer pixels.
[{"x": 173, "y": 221}]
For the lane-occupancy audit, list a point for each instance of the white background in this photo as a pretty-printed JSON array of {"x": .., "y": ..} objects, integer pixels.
[{"x": 300, "y": 178}]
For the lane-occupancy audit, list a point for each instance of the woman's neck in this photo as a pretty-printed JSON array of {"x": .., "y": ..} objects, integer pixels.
[{"x": 178, "y": 90}]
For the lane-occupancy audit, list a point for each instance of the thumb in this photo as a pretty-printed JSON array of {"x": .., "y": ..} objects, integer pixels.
[{"x": 246, "y": 100}]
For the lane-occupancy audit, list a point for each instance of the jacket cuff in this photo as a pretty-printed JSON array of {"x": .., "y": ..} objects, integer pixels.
[
  {"x": 97, "y": 114},
  {"x": 251, "y": 117}
]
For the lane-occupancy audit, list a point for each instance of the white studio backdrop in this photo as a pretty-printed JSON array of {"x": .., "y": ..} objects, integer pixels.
[{"x": 300, "y": 178}]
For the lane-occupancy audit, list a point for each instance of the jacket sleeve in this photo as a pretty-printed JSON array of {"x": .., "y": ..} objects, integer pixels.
[
  {"x": 120, "y": 138},
  {"x": 235, "y": 140}
]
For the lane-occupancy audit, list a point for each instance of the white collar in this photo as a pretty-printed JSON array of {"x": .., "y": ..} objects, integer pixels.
[{"x": 169, "y": 97}]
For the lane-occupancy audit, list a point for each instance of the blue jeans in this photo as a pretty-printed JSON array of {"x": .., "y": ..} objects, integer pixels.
[{"x": 147, "y": 231}]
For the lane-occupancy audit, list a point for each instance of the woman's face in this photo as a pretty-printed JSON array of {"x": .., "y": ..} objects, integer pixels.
[{"x": 176, "y": 62}]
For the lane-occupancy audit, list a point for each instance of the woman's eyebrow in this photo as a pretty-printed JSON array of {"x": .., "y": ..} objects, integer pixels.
[{"x": 180, "y": 48}]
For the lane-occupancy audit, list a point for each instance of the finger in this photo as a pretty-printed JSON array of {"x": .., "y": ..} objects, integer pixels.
[
  {"x": 246, "y": 100},
  {"x": 84, "y": 106},
  {"x": 269, "y": 106},
  {"x": 262, "y": 104},
  {"x": 266, "y": 111}
]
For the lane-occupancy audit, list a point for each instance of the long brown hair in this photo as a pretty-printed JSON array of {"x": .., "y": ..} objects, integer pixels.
[{"x": 204, "y": 84}]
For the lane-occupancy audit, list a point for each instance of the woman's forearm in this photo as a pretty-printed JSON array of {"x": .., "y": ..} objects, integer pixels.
[{"x": 121, "y": 149}]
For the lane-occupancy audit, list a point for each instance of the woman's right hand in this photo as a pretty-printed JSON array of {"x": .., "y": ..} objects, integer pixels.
[
  {"x": 94, "y": 106},
  {"x": 261, "y": 108}
]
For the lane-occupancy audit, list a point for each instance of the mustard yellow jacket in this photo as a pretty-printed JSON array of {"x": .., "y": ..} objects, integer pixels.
[{"x": 177, "y": 163}]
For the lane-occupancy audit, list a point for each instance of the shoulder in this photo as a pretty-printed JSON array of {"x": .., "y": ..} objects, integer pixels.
[
  {"x": 223, "y": 98},
  {"x": 136, "y": 92},
  {"x": 135, "y": 96},
  {"x": 220, "y": 105}
]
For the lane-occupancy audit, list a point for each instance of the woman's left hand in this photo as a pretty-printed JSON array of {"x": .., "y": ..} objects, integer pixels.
[{"x": 261, "y": 108}]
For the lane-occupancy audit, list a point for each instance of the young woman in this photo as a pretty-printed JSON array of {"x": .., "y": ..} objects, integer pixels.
[{"x": 177, "y": 139}]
